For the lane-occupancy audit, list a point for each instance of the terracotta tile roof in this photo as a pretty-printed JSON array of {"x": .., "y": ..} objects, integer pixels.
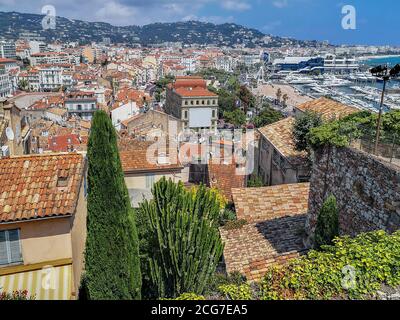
[
  {"x": 281, "y": 136},
  {"x": 64, "y": 143},
  {"x": 276, "y": 217},
  {"x": 58, "y": 111},
  {"x": 224, "y": 177},
  {"x": 133, "y": 154},
  {"x": 329, "y": 109},
  {"x": 6, "y": 60},
  {"x": 250, "y": 250},
  {"x": 195, "y": 92},
  {"x": 39, "y": 186},
  {"x": 260, "y": 204}
]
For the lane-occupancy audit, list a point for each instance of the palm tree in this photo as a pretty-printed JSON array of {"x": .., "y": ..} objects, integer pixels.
[
  {"x": 278, "y": 95},
  {"x": 23, "y": 85},
  {"x": 285, "y": 98}
]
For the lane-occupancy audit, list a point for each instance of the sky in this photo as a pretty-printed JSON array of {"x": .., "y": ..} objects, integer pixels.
[{"x": 376, "y": 21}]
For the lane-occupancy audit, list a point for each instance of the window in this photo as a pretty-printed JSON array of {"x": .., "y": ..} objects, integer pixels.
[
  {"x": 185, "y": 114},
  {"x": 10, "y": 247},
  {"x": 213, "y": 113},
  {"x": 149, "y": 181},
  {"x": 186, "y": 102},
  {"x": 197, "y": 102}
]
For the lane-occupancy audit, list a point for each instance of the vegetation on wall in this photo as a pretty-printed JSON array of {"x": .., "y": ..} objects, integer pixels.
[
  {"x": 183, "y": 245},
  {"x": 351, "y": 268},
  {"x": 327, "y": 223},
  {"x": 112, "y": 265},
  {"x": 359, "y": 125}
]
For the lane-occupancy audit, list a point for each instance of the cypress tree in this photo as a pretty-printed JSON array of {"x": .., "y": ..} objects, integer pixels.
[
  {"x": 327, "y": 223},
  {"x": 112, "y": 264}
]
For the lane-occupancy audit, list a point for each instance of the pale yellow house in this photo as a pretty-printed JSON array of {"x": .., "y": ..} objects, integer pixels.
[{"x": 42, "y": 224}]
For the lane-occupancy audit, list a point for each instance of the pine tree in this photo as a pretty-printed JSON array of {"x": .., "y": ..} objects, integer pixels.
[
  {"x": 183, "y": 244},
  {"x": 112, "y": 264},
  {"x": 327, "y": 223}
]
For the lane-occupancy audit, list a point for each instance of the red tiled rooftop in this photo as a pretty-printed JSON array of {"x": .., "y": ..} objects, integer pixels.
[
  {"x": 133, "y": 154},
  {"x": 260, "y": 204},
  {"x": 276, "y": 219},
  {"x": 224, "y": 177},
  {"x": 39, "y": 186}
]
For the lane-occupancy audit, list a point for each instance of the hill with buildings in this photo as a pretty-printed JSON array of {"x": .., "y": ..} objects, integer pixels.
[{"x": 13, "y": 25}]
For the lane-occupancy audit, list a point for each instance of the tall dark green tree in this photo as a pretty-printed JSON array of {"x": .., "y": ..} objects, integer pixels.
[
  {"x": 327, "y": 223},
  {"x": 183, "y": 244},
  {"x": 112, "y": 263}
]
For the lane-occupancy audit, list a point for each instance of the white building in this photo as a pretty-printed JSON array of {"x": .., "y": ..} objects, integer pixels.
[
  {"x": 81, "y": 104},
  {"x": 332, "y": 63},
  {"x": 8, "y": 50},
  {"x": 52, "y": 58},
  {"x": 122, "y": 113},
  {"x": 5, "y": 83}
]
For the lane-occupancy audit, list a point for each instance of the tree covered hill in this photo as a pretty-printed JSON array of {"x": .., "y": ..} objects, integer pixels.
[{"x": 12, "y": 24}]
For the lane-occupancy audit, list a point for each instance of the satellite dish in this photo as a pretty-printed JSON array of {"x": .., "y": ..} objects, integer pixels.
[{"x": 10, "y": 134}]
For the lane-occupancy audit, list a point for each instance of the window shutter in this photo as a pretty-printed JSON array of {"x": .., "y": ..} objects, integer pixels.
[
  {"x": 15, "y": 247},
  {"x": 3, "y": 248}
]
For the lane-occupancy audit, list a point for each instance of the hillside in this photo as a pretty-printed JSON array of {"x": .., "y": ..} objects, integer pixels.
[{"x": 12, "y": 24}]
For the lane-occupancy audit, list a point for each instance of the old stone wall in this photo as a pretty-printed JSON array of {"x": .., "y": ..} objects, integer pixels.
[{"x": 367, "y": 191}]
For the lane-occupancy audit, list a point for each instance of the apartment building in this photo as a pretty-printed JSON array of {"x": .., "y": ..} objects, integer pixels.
[
  {"x": 42, "y": 224},
  {"x": 8, "y": 50},
  {"x": 189, "y": 100},
  {"x": 9, "y": 64},
  {"x": 81, "y": 104},
  {"x": 5, "y": 83},
  {"x": 51, "y": 58}
]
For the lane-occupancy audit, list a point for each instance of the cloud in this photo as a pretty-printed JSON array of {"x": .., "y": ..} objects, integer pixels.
[
  {"x": 212, "y": 19},
  {"x": 117, "y": 12},
  {"x": 235, "y": 5},
  {"x": 280, "y": 3}
]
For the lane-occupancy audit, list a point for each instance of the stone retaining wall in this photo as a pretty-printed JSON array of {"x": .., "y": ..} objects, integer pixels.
[{"x": 367, "y": 191}]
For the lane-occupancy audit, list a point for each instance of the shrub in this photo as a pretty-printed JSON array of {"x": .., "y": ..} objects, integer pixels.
[
  {"x": 255, "y": 182},
  {"x": 183, "y": 246},
  {"x": 372, "y": 258},
  {"x": 302, "y": 127},
  {"x": 16, "y": 295},
  {"x": 327, "y": 223},
  {"x": 190, "y": 296},
  {"x": 237, "y": 292},
  {"x": 227, "y": 216}
]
